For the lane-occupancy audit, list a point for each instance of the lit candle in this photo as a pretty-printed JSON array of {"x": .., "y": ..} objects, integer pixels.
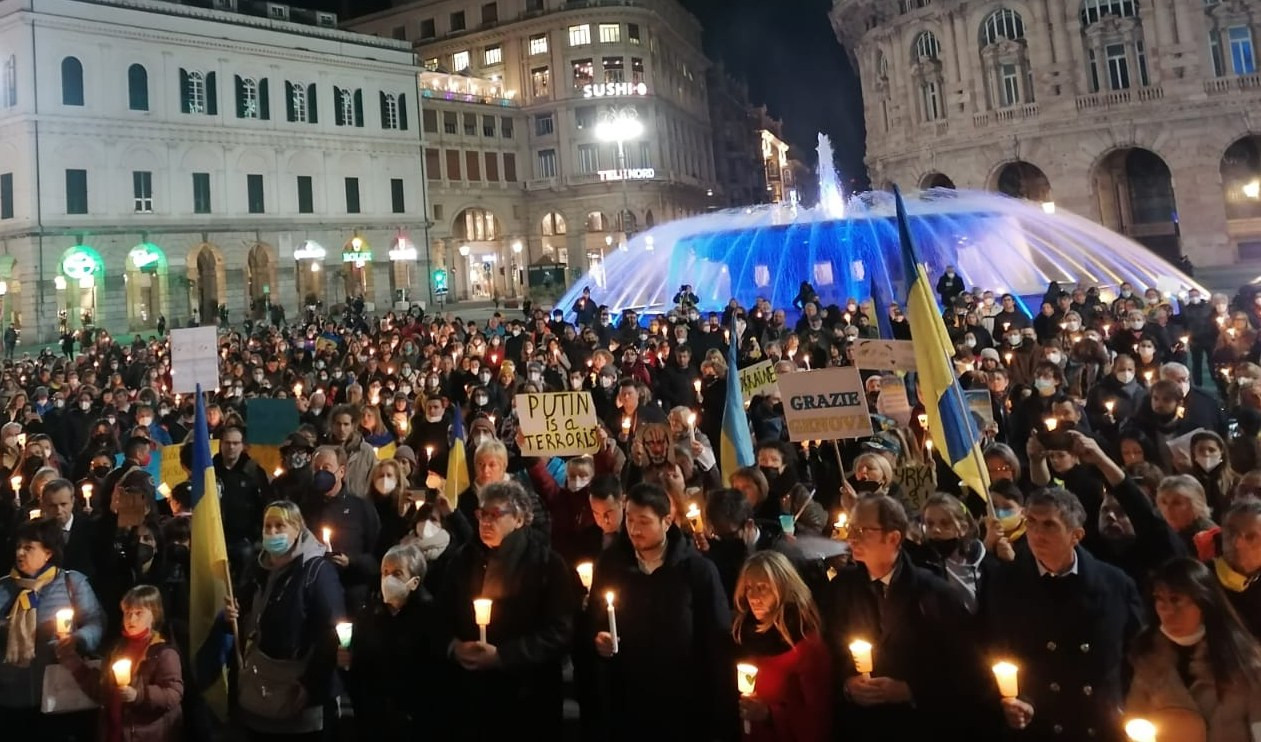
[
  {"x": 697, "y": 386},
  {"x": 481, "y": 615},
  {"x": 65, "y": 622},
  {"x": 626, "y": 425},
  {"x": 1147, "y": 376},
  {"x": 277, "y": 471},
  {"x": 928, "y": 448},
  {"x": 16, "y": 483},
  {"x": 164, "y": 489},
  {"x": 693, "y": 516},
  {"x": 1184, "y": 339},
  {"x": 122, "y": 672},
  {"x": 608, "y": 598},
  {"x": 1140, "y": 730},
  {"x": 328, "y": 537},
  {"x": 344, "y": 632},
  {"x": 840, "y": 529},
  {"x": 691, "y": 425},
  {"x": 861, "y": 651},
  {"x": 35, "y": 514},
  {"x": 428, "y": 452},
  {"x": 297, "y": 390},
  {"x": 585, "y": 572},
  {"x": 1006, "y": 675},
  {"x": 1182, "y": 411},
  {"x": 746, "y": 682},
  {"x": 1051, "y": 423},
  {"x": 1007, "y": 358},
  {"x": 923, "y": 420},
  {"x": 1105, "y": 330},
  {"x": 87, "y": 495}
]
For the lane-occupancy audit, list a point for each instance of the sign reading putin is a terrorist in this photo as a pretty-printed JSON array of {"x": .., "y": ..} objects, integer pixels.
[
  {"x": 557, "y": 424},
  {"x": 824, "y": 405}
]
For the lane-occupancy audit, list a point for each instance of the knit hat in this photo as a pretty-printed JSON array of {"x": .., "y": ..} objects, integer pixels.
[
  {"x": 991, "y": 354},
  {"x": 405, "y": 453}
]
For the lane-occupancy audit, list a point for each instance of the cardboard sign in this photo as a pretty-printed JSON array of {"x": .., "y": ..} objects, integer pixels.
[
  {"x": 758, "y": 379},
  {"x": 827, "y": 404},
  {"x": 171, "y": 473},
  {"x": 893, "y": 402},
  {"x": 194, "y": 359},
  {"x": 918, "y": 481},
  {"x": 884, "y": 355},
  {"x": 557, "y": 424},
  {"x": 980, "y": 405},
  {"x": 130, "y": 508}
]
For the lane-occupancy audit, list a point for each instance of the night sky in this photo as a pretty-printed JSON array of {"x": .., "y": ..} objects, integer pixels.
[{"x": 785, "y": 50}]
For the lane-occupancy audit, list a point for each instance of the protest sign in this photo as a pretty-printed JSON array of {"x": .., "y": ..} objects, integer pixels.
[
  {"x": 171, "y": 472},
  {"x": 980, "y": 405},
  {"x": 269, "y": 421},
  {"x": 828, "y": 404},
  {"x": 758, "y": 379},
  {"x": 918, "y": 482},
  {"x": 884, "y": 355},
  {"x": 893, "y": 402},
  {"x": 557, "y": 424},
  {"x": 194, "y": 359}
]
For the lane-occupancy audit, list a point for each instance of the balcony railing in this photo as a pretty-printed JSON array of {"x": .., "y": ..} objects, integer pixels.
[
  {"x": 1114, "y": 98},
  {"x": 1005, "y": 115},
  {"x": 1223, "y": 85}
]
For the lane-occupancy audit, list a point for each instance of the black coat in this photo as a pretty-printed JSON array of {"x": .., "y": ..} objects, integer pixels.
[
  {"x": 675, "y": 653},
  {"x": 244, "y": 490},
  {"x": 1154, "y": 542},
  {"x": 355, "y": 530},
  {"x": 536, "y": 597},
  {"x": 1069, "y": 636},
  {"x": 920, "y": 635}
]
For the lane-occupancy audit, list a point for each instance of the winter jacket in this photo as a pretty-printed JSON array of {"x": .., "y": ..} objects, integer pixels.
[
  {"x": 157, "y": 714},
  {"x": 1231, "y": 713},
  {"x": 354, "y": 528},
  {"x": 244, "y": 490},
  {"x": 360, "y": 458}
]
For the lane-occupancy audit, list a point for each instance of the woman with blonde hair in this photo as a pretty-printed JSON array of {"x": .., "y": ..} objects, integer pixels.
[
  {"x": 777, "y": 630},
  {"x": 387, "y": 488},
  {"x": 373, "y": 428},
  {"x": 1181, "y": 501}
]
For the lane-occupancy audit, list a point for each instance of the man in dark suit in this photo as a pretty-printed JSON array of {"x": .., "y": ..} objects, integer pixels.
[
  {"x": 926, "y": 678},
  {"x": 1065, "y": 619},
  {"x": 82, "y": 549}
]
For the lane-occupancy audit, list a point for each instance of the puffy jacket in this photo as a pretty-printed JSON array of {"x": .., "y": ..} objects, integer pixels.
[{"x": 22, "y": 687}]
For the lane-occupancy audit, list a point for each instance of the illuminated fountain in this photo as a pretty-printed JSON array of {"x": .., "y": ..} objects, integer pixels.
[{"x": 844, "y": 248}]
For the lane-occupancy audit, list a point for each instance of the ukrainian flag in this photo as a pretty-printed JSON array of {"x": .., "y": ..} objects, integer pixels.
[
  {"x": 736, "y": 444},
  {"x": 208, "y": 566},
  {"x": 457, "y": 463},
  {"x": 950, "y": 422}
]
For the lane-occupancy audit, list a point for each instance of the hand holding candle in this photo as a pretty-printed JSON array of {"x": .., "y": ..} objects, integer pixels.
[
  {"x": 863, "y": 662},
  {"x": 122, "y": 672},
  {"x": 746, "y": 683},
  {"x": 64, "y": 622},
  {"x": 481, "y": 615},
  {"x": 608, "y": 598},
  {"x": 1006, "y": 675},
  {"x": 693, "y": 516}
]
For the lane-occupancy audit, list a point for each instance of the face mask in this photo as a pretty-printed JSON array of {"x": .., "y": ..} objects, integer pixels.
[
  {"x": 405, "y": 389},
  {"x": 770, "y": 472},
  {"x": 111, "y": 420},
  {"x": 1136, "y": 325},
  {"x": 100, "y": 472},
  {"x": 386, "y": 485},
  {"x": 536, "y": 377},
  {"x": 60, "y": 403},
  {"x": 1055, "y": 358},
  {"x": 1125, "y": 377},
  {"x": 606, "y": 382},
  {"x": 480, "y": 400},
  {"x": 944, "y": 547},
  {"x": 1194, "y": 299},
  {"x": 1185, "y": 641},
  {"x": 1146, "y": 353},
  {"x": 276, "y": 544},
  {"x": 297, "y": 460},
  {"x": 1209, "y": 462},
  {"x": 395, "y": 590},
  {"x": 258, "y": 377},
  {"x": 579, "y": 483},
  {"x": 1126, "y": 294},
  {"x": 164, "y": 411},
  {"x": 85, "y": 406},
  {"x": 970, "y": 342},
  {"x": 144, "y": 553},
  {"x": 1072, "y": 326},
  {"x": 1015, "y": 341},
  {"x": 324, "y": 481},
  {"x": 1009, "y": 520},
  {"x": 575, "y": 384},
  {"x": 1184, "y": 389},
  {"x": 319, "y": 364},
  {"x": 1045, "y": 387},
  {"x": 144, "y": 422}
]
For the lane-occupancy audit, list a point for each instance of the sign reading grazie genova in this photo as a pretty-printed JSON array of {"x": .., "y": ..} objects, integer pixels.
[{"x": 614, "y": 89}]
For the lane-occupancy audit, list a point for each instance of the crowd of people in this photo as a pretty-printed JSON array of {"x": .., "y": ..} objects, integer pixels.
[{"x": 639, "y": 591}]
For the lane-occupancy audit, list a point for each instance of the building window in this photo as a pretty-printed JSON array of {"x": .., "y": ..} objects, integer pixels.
[
  {"x": 1002, "y": 24},
  {"x": 453, "y": 165},
  {"x": 306, "y": 194},
  {"x": 544, "y": 125},
  {"x": 254, "y": 193},
  {"x": 584, "y": 73},
  {"x": 76, "y": 191},
  {"x": 470, "y": 124},
  {"x": 541, "y": 81},
  {"x": 197, "y": 92},
  {"x": 546, "y": 164},
  {"x": 637, "y": 70},
  {"x": 450, "y": 122},
  {"x": 492, "y": 167},
  {"x": 349, "y": 107},
  {"x": 614, "y": 71},
  {"x": 490, "y": 14},
  {"x": 926, "y": 47},
  {"x": 1092, "y": 63},
  {"x": 473, "y": 166},
  {"x": 1140, "y": 55},
  {"x": 433, "y": 164},
  {"x": 459, "y": 61},
  {"x": 429, "y": 120},
  {"x": 201, "y": 193},
  {"x": 1215, "y": 52},
  {"x": 610, "y": 33},
  {"x": 9, "y": 82},
  {"x": 505, "y": 126},
  {"x": 1118, "y": 67},
  {"x": 488, "y": 126},
  {"x": 632, "y": 33},
  {"x": 301, "y": 102},
  {"x": 1009, "y": 83},
  {"x": 580, "y": 35},
  {"x": 538, "y": 44},
  {"x": 588, "y": 158},
  {"x": 71, "y": 82},
  {"x": 554, "y": 225},
  {"x": 931, "y": 93},
  {"x": 389, "y": 111},
  {"x": 584, "y": 118},
  {"x": 137, "y": 88},
  {"x": 1242, "y": 60},
  {"x": 1094, "y": 10},
  {"x": 352, "y": 195},
  {"x": 251, "y": 98},
  {"x": 428, "y": 29},
  {"x": 6, "y": 195},
  {"x": 493, "y": 55},
  {"x": 398, "y": 202},
  {"x": 142, "y": 191},
  {"x": 431, "y": 64},
  {"x": 510, "y": 167},
  {"x": 457, "y": 21}
]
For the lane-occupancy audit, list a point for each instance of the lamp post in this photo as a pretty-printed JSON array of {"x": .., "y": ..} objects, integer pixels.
[
  {"x": 464, "y": 251},
  {"x": 621, "y": 125},
  {"x": 516, "y": 257}
]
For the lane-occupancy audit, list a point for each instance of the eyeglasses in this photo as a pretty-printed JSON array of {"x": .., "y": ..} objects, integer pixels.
[
  {"x": 489, "y": 514},
  {"x": 858, "y": 532}
]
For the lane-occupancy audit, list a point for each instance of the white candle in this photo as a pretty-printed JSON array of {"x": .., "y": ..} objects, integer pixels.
[
  {"x": 35, "y": 514},
  {"x": 345, "y": 631},
  {"x": 746, "y": 682},
  {"x": 1006, "y": 675},
  {"x": 16, "y": 483},
  {"x": 693, "y": 516},
  {"x": 481, "y": 615},
  {"x": 277, "y": 471},
  {"x": 328, "y": 538},
  {"x": 691, "y": 426},
  {"x": 65, "y": 622},
  {"x": 861, "y": 650},
  {"x": 87, "y": 495},
  {"x": 1051, "y": 423},
  {"x": 1140, "y": 730},
  {"x": 585, "y": 572},
  {"x": 608, "y": 598},
  {"x": 122, "y": 672},
  {"x": 164, "y": 489}
]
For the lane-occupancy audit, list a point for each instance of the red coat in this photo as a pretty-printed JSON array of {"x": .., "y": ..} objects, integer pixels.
[{"x": 797, "y": 686}]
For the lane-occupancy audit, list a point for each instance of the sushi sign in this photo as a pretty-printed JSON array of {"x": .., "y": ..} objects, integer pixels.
[{"x": 614, "y": 90}]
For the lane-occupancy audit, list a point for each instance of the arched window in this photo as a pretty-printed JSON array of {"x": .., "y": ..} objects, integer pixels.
[
  {"x": 1002, "y": 24},
  {"x": 926, "y": 69},
  {"x": 137, "y": 88},
  {"x": 1004, "y": 54},
  {"x": 553, "y": 225},
  {"x": 1092, "y": 11},
  {"x": 597, "y": 222},
  {"x": 71, "y": 82},
  {"x": 1116, "y": 57},
  {"x": 476, "y": 225},
  {"x": 926, "y": 47}
]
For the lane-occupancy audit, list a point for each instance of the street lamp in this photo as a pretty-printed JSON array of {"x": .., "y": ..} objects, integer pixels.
[
  {"x": 621, "y": 126},
  {"x": 517, "y": 247}
]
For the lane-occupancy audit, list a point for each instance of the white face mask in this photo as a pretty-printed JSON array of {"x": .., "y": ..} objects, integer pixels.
[
  {"x": 395, "y": 590},
  {"x": 85, "y": 406},
  {"x": 1054, "y": 358},
  {"x": 1209, "y": 462},
  {"x": 1184, "y": 388},
  {"x": 578, "y": 483},
  {"x": 434, "y": 418},
  {"x": 1125, "y": 377},
  {"x": 1014, "y": 340},
  {"x": 1072, "y": 326},
  {"x": 386, "y": 485},
  {"x": 970, "y": 342},
  {"x": 429, "y": 530},
  {"x": 1190, "y": 640}
]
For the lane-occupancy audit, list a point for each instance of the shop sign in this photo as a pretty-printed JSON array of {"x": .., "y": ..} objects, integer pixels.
[
  {"x": 639, "y": 173},
  {"x": 403, "y": 250},
  {"x": 144, "y": 255},
  {"x": 614, "y": 89},
  {"x": 309, "y": 251},
  {"x": 80, "y": 263}
]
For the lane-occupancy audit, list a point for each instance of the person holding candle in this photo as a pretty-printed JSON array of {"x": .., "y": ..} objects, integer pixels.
[
  {"x": 352, "y": 522},
  {"x": 82, "y": 546},
  {"x": 147, "y": 708},
  {"x": 1065, "y": 618},
  {"x": 1199, "y": 408},
  {"x": 1122, "y": 389},
  {"x": 926, "y": 678},
  {"x": 535, "y": 597},
  {"x": 30, "y": 597},
  {"x": 673, "y": 626},
  {"x": 777, "y": 628},
  {"x": 1196, "y": 662},
  {"x": 289, "y": 605}
]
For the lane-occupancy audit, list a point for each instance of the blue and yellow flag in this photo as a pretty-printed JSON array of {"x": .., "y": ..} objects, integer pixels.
[
  {"x": 208, "y": 565},
  {"x": 950, "y": 421},
  {"x": 736, "y": 443},
  {"x": 457, "y": 463}
]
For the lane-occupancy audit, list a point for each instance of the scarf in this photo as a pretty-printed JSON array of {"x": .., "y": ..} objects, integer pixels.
[
  {"x": 20, "y": 648},
  {"x": 1230, "y": 579},
  {"x": 432, "y": 541},
  {"x": 133, "y": 648}
]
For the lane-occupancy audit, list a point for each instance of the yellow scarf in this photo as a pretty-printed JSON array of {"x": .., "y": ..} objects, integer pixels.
[
  {"x": 20, "y": 648},
  {"x": 1230, "y": 579}
]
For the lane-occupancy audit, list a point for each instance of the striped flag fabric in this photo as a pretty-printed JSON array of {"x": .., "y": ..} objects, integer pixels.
[
  {"x": 208, "y": 564},
  {"x": 736, "y": 444},
  {"x": 457, "y": 462}
]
